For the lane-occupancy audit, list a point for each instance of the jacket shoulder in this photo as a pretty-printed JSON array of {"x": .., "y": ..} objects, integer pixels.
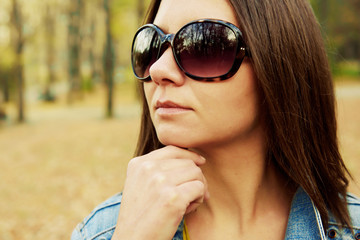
[
  {"x": 354, "y": 209},
  {"x": 337, "y": 230},
  {"x": 101, "y": 222}
]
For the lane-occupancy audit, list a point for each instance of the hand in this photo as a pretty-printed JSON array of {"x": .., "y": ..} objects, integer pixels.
[{"x": 160, "y": 188}]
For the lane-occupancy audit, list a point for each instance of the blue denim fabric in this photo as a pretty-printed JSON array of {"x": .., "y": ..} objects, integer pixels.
[
  {"x": 100, "y": 224},
  {"x": 304, "y": 221}
]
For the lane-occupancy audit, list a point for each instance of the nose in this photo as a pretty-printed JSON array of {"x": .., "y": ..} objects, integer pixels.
[{"x": 166, "y": 71}]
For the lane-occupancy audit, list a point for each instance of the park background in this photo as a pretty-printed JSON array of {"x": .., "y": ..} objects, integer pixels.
[{"x": 69, "y": 109}]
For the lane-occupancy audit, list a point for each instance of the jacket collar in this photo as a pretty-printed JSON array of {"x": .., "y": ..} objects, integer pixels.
[{"x": 304, "y": 221}]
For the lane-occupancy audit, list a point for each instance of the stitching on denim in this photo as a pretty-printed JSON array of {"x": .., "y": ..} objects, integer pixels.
[
  {"x": 343, "y": 226},
  {"x": 79, "y": 229},
  {"x": 352, "y": 199},
  {"x": 319, "y": 222},
  {"x": 105, "y": 231},
  {"x": 101, "y": 207}
]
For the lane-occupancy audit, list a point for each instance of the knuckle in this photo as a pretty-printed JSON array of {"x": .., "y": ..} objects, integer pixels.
[
  {"x": 200, "y": 186},
  {"x": 148, "y": 166},
  {"x": 176, "y": 152},
  {"x": 198, "y": 172},
  {"x": 133, "y": 163},
  {"x": 141, "y": 165},
  {"x": 190, "y": 163},
  {"x": 159, "y": 178},
  {"x": 170, "y": 197}
]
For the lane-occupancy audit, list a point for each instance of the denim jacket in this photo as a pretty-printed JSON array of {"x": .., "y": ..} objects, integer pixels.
[{"x": 304, "y": 221}]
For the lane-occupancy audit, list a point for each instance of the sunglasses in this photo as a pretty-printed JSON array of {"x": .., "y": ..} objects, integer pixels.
[{"x": 205, "y": 50}]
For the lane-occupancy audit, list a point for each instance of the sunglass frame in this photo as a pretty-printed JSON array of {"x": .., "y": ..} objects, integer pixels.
[{"x": 242, "y": 50}]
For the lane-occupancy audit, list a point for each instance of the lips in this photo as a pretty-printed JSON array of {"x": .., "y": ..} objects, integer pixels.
[
  {"x": 168, "y": 104},
  {"x": 169, "y": 107}
]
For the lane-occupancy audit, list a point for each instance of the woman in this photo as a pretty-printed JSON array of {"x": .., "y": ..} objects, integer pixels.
[{"x": 238, "y": 135}]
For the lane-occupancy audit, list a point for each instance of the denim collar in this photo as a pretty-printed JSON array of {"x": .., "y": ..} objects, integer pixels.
[{"x": 304, "y": 220}]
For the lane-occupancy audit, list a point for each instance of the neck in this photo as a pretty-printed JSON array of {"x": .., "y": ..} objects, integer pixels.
[{"x": 245, "y": 186}]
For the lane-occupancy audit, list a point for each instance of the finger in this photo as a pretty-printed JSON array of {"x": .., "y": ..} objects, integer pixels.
[
  {"x": 192, "y": 207},
  {"x": 176, "y": 170},
  {"x": 173, "y": 152},
  {"x": 171, "y": 164},
  {"x": 207, "y": 193},
  {"x": 192, "y": 194},
  {"x": 179, "y": 175}
]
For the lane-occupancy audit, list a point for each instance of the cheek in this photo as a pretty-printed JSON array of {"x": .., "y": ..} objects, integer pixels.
[
  {"x": 148, "y": 92},
  {"x": 235, "y": 107},
  {"x": 234, "y": 104},
  {"x": 237, "y": 96}
]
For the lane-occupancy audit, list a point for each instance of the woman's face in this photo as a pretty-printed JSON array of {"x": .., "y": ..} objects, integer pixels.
[{"x": 193, "y": 114}]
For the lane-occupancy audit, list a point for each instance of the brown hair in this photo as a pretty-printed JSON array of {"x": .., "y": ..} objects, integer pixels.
[{"x": 290, "y": 62}]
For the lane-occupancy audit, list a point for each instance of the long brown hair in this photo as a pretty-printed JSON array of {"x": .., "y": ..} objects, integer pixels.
[{"x": 290, "y": 62}]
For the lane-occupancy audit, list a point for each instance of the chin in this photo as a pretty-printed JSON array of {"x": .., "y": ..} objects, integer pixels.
[
  {"x": 178, "y": 140},
  {"x": 182, "y": 138},
  {"x": 175, "y": 142},
  {"x": 173, "y": 137},
  {"x": 185, "y": 142}
]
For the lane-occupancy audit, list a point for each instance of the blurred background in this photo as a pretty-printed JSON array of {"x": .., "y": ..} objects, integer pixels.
[{"x": 69, "y": 113}]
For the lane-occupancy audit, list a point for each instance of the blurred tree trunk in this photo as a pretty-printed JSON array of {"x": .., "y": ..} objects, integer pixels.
[
  {"x": 6, "y": 75},
  {"x": 18, "y": 41},
  {"x": 355, "y": 4},
  {"x": 50, "y": 52},
  {"x": 74, "y": 44},
  {"x": 356, "y": 7},
  {"x": 2, "y": 98},
  {"x": 108, "y": 61},
  {"x": 92, "y": 57},
  {"x": 6, "y": 88},
  {"x": 2, "y": 110}
]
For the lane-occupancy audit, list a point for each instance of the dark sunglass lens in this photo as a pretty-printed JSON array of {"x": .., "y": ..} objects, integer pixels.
[
  {"x": 206, "y": 49},
  {"x": 145, "y": 51}
]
